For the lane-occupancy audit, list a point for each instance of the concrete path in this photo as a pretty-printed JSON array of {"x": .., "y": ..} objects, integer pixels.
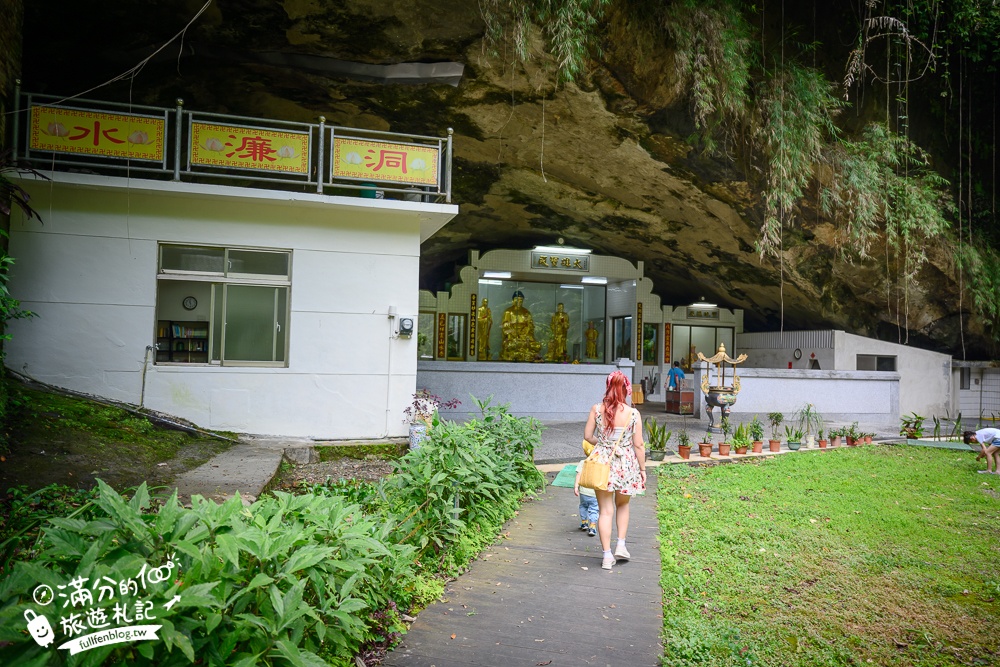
[{"x": 540, "y": 597}]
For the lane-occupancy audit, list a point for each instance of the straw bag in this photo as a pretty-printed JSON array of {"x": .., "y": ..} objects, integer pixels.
[{"x": 594, "y": 474}]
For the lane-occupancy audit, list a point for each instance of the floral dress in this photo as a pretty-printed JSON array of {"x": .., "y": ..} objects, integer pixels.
[{"x": 624, "y": 476}]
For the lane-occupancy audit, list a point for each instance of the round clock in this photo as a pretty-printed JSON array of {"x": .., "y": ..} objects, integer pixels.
[
  {"x": 189, "y": 303},
  {"x": 797, "y": 353}
]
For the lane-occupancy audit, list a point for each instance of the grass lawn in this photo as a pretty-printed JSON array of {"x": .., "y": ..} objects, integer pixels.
[{"x": 885, "y": 555}]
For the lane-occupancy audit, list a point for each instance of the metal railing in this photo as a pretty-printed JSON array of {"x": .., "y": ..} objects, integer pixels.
[{"x": 314, "y": 145}]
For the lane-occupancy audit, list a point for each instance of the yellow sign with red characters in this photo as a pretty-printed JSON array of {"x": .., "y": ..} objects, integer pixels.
[
  {"x": 63, "y": 130},
  {"x": 249, "y": 148},
  {"x": 380, "y": 161}
]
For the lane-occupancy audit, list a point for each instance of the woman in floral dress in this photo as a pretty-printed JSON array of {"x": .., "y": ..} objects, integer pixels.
[{"x": 615, "y": 430}]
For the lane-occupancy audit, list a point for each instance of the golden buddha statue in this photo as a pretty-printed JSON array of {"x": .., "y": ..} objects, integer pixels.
[
  {"x": 484, "y": 322},
  {"x": 518, "y": 331},
  {"x": 591, "y": 335},
  {"x": 560, "y": 327}
]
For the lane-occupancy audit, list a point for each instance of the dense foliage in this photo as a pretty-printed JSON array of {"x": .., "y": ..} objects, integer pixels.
[
  {"x": 310, "y": 579},
  {"x": 758, "y": 95}
]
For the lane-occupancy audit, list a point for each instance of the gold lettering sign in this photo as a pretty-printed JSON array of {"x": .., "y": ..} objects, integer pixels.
[
  {"x": 703, "y": 313},
  {"x": 249, "y": 148},
  {"x": 638, "y": 329},
  {"x": 93, "y": 133},
  {"x": 442, "y": 336},
  {"x": 560, "y": 262},
  {"x": 666, "y": 344},
  {"x": 361, "y": 159},
  {"x": 472, "y": 326}
]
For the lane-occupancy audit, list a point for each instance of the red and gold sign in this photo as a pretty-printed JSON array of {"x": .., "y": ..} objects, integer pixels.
[
  {"x": 666, "y": 344},
  {"x": 472, "y": 325},
  {"x": 442, "y": 336},
  {"x": 379, "y": 161},
  {"x": 249, "y": 148},
  {"x": 638, "y": 330},
  {"x": 128, "y": 136}
]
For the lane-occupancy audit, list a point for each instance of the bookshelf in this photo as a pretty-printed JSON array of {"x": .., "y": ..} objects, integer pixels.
[{"x": 181, "y": 342}]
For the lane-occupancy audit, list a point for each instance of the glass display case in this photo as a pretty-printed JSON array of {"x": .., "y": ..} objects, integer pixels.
[{"x": 543, "y": 322}]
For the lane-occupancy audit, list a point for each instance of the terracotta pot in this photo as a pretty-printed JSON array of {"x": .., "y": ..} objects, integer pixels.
[
  {"x": 758, "y": 446},
  {"x": 822, "y": 444},
  {"x": 851, "y": 442},
  {"x": 724, "y": 448},
  {"x": 774, "y": 445},
  {"x": 868, "y": 440},
  {"x": 684, "y": 451},
  {"x": 705, "y": 449},
  {"x": 743, "y": 450},
  {"x": 835, "y": 441}
]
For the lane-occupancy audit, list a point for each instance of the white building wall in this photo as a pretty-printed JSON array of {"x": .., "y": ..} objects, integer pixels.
[{"x": 89, "y": 272}]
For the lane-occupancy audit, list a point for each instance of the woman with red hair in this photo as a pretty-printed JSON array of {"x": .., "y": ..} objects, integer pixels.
[{"x": 615, "y": 430}]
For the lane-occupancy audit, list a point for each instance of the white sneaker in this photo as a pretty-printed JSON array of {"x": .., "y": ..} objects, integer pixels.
[
  {"x": 621, "y": 553},
  {"x": 983, "y": 472},
  {"x": 608, "y": 563}
]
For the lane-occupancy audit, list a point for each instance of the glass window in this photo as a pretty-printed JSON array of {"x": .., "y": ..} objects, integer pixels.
[
  {"x": 223, "y": 321},
  {"x": 456, "y": 337},
  {"x": 650, "y": 343},
  {"x": 622, "y": 337},
  {"x": 965, "y": 378},
  {"x": 425, "y": 336}
]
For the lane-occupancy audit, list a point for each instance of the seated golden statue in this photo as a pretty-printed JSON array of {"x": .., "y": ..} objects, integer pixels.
[
  {"x": 591, "y": 335},
  {"x": 484, "y": 322},
  {"x": 560, "y": 327},
  {"x": 518, "y": 330}
]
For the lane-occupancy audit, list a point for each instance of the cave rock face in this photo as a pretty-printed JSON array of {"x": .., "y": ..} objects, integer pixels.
[{"x": 602, "y": 163}]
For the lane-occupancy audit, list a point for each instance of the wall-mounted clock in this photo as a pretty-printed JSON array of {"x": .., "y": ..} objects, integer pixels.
[
  {"x": 189, "y": 303},
  {"x": 797, "y": 353}
]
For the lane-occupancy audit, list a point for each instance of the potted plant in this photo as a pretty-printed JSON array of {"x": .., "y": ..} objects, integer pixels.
[
  {"x": 657, "y": 436},
  {"x": 809, "y": 420},
  {"x": 835, "y": 436},
  {"x": 421, "y": 414},
  {"x": 794, "y": 437},
  {"x": 705, "y": 446},
  {"x": 868, "y": 437},
  {"x": 684, "y": 444},
  {"x": 851, "y": 434},
  {"x": 774, "y": 419},
  {"x": 741, "y": 439},
  {"x": 756, "y": 433},
  {"x": 820, "y": 439},
  {"x": 727, "y": 428}
]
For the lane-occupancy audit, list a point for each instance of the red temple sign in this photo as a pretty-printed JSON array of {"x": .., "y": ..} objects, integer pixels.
[{"x": 360, "y": 159}]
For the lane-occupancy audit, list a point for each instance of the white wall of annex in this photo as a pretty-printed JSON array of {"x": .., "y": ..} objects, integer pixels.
[{"x": 89, "y": 272}]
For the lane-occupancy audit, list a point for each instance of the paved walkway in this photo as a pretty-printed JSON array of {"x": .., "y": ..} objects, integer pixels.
[{"x": 540, "y": 597}]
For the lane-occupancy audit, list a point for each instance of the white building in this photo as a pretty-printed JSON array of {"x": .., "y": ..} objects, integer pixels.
[{"x": 238, "y": 308}]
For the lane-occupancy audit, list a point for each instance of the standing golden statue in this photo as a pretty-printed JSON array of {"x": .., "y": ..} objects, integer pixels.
[
  {"x": 560, "y": 327},
  {"x": 591, "y": 335},
  {"x": 518, "y": 331},
  {"x": 484, "y": 322}
]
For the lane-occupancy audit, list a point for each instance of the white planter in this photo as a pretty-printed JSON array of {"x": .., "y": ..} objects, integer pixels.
[{"x": 418, "y": 432}]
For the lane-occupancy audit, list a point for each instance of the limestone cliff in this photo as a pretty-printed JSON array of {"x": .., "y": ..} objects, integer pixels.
[{"x": 602, "y": 164}]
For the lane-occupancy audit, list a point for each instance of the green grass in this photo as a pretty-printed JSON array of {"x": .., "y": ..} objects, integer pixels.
[
  {"x": 378, "y": 450},
  {"x": 875, "y": 555}
]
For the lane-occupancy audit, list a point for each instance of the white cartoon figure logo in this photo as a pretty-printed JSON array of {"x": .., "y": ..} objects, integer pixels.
[{"x": 39, "y": 628}]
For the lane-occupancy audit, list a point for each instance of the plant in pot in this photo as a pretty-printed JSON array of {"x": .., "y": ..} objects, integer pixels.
[
  {"x": 794, "y": 437},
  {"x": 741, "y": 439},
  {"x": 705, "y": 446},
  {"x": 774, "y": 419},
  {"x": 809, "y": 420},
  {"x": 684, "y": 444},
  {"x": 912, "y": 426},
  {"x": 422, "y": 414},
  {"x": 820, "y": 439},
  {"x": 657, "y": 438},
  {"x": 851, "y": 434},
  {"x": 756, "y": 432},
  {"x": 727, "y": 428},
  {"x": 836, "y": 436}
]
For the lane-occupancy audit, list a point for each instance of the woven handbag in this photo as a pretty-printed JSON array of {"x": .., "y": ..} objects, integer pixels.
[{"x": 594, "y": 474}]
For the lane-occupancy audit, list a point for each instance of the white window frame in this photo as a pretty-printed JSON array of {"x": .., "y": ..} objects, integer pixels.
[{"x": 220, "y": 282}]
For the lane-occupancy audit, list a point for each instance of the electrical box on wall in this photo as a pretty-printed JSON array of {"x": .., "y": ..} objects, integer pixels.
[{"x": 405, "y": 327}]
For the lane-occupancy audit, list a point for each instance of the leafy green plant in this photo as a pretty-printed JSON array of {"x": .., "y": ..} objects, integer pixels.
[
  {"x": 775, "y": 419},
  {"x": 683, "y": 438},
  {"x": 756, "y": 429},
  {"x": 707, "y": 438},
  {"x": 809, "y": 419},
  {"x": 656, "y": 435},
  {"x": 741, "y": 436},
  {"x": 726, "y": 427},
  {"x": 793, "y": 434},
  {"x": 912, "y": 426}
]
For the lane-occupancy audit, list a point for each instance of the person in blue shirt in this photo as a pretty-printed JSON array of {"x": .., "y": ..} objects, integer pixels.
[
  {"x": 674, "y": 377},
  {"x": 989, "y": 442}
]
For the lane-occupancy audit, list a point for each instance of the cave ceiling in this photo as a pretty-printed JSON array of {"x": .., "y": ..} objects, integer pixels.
[{"x": 602, "y": 163}]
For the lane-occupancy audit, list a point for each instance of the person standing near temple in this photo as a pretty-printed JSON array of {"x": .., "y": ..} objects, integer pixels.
[{"x": 675, "y": 377}]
